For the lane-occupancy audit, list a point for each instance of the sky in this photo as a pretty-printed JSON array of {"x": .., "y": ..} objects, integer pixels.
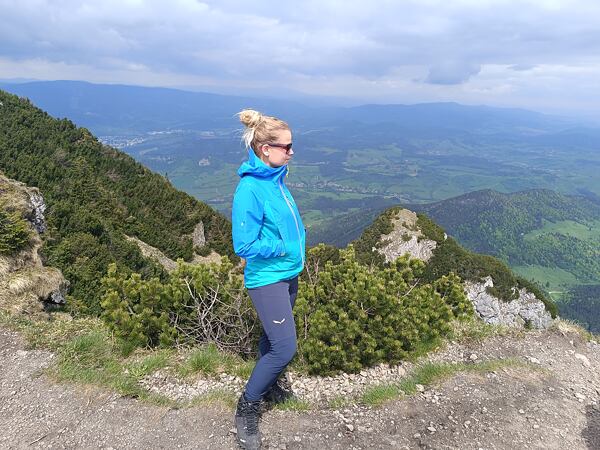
[{"x": 542, "y": 55}]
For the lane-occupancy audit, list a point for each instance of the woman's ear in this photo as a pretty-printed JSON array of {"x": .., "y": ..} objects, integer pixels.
[{"x": 262, "y": 148}]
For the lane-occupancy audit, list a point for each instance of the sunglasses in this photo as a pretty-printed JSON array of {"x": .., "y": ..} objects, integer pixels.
[{"x": 286, "y": 147}]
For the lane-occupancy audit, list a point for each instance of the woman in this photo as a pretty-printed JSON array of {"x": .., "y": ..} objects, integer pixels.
[{"x": 268, "y": 232}]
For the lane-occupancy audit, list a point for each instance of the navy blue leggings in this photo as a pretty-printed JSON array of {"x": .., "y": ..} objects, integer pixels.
[{"x": 277, "y": 345}]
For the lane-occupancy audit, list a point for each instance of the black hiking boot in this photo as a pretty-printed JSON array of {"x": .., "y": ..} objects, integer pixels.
[
  {"x": 246, "y": 422},
  {"x": 280, "y": 392}
]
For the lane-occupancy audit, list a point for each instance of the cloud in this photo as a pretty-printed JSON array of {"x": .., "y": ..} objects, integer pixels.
[
  {"x": 452, "y": 73},
  {"x": 522, "y": 67},
  {"x": 433, "y": 47}
]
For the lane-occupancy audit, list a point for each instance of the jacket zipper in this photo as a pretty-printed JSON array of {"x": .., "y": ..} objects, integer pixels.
[{"x": 295, "y": 220}]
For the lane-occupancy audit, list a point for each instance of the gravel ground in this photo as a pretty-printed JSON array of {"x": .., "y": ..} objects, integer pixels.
[{"x": 554, "y": 404}]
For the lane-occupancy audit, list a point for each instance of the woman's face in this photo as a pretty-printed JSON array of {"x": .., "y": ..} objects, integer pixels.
[{"x": 273, "y": 153}]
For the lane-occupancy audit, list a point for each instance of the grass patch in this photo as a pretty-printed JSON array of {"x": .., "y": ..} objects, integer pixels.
[
  {"x": 474, "y": 329},
  {"x": 293, "y": 404},
  {"x": 87, "y": 353},
  {"x": 572, "y": 326},
  {"x": 95, "y": 358},
  {"x": 426, "y": 375},
  {"x": 422, "y": 348},
  {"x": 209, "y": 360},
  {"x": 218, "y": 397},
  {"x": 52, "y": 334},
  {"x": 378, "y": 395},
  {"x": 150, "y": 363}
]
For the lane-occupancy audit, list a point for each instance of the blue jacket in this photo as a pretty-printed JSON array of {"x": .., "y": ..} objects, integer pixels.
[{"x": 266, "y": 225}]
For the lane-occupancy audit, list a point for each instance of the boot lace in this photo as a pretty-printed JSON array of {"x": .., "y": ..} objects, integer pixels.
[{"x": 251, "y": 414}]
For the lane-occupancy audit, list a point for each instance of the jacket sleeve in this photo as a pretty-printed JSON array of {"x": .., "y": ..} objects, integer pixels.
[{"x": 246, "y": 220}]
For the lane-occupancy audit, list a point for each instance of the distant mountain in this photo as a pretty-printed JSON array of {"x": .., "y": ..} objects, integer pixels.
[
  {"x": 103, "y": 108},
  {"x": 97, "y": 197},
  {"x": 108, "y": 108}
]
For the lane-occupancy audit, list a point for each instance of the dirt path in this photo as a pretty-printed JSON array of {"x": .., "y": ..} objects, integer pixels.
[{"x": 553, "y": 407}]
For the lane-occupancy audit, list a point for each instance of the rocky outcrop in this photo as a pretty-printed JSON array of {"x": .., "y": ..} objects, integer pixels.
[
  {"x": 152, "y": 252},
  {"x": 198, "y": 238},
  {"x": 406, "y": 237},
  {"x": 26, "y": 285},
  {"x": 37, "y": 219},
  {"x": 526, "y": 310}
]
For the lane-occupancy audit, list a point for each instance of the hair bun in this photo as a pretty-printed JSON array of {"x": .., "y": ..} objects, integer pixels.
[{"x": 250, "y": 117}]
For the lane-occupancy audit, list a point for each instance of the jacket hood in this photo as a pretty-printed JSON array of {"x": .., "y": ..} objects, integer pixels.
[{"x": 255, "y": 167}]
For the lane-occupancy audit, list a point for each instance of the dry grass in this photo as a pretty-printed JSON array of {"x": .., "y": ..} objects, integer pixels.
[
  {"x": 565, "y": 326},
  {"x": 5, "y": 266}
]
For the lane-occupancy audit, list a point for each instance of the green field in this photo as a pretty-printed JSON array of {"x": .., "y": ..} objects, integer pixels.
[
  {"x": 590, "y": 231},
  {"x": 554, "y": 280}
]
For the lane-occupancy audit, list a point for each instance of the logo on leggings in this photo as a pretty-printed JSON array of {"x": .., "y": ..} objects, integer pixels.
[{"x": 279, "y": 322}]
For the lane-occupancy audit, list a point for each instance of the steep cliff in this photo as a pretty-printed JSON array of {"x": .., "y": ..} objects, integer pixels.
[{"x": 26, "y": 284}]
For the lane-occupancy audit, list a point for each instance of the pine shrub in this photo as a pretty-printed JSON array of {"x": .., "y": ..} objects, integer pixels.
[
  {"x": 14, "y": 232},
  {"x": 204, "y": 303},
  {"x": 355, "y": 316}
]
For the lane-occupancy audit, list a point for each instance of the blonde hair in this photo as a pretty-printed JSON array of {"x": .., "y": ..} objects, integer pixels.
[{"x": 260, "y": 129}]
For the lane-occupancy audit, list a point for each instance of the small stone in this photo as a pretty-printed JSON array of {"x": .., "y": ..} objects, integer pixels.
[
  {"x": 467, "y": 423},
  {"x": 584, "y": 360},
  {"x": 579, "y": 396},
  {"x": 297, "y": 438},
  {"x": 473, "y": 357},
  {"x": 431, "y": 429},
  {"x": 417, "y": 435},
  {"x": 534, "y": 361},
  {"x": 521, "y": 411},
  {"x": 350, "y": 427},
  {"x": 535, "y": 425},
  {"x": 419, "y": 387}
]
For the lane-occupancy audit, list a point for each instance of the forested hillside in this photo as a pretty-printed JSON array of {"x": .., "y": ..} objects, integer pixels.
[
  {"x": 551, "y": 238},
  {"x": 536, "y": 227},
  {"x": 96, "y": 195},
  {"x": 582, "y": 303},
  {"x": 448, "y": 257}
]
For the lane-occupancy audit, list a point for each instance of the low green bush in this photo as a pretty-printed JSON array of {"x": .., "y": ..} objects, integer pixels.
[
  {"x": 355, "y": 315},
  {"x": 197, "y": 304},
  {"x": 14, "y": 232}
]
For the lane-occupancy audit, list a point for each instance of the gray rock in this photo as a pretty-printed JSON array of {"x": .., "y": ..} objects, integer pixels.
[
  {"x": 526, "y": 309},
  {"x": 39, "y": 207},
  {"x": 198, "y": 238},
  {"x": 406, "y": 238}
]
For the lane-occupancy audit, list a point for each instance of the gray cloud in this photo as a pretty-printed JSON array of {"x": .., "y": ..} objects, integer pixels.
[
  {"x": 365, "y": 46},
  {"x": 452, "y": 73},
  {"x": 521, "y": 67}
]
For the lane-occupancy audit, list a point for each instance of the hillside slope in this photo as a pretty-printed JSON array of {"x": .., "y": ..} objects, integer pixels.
[
  {"x": 498, "y": 224},
  {"x": 96, "y": 196}
]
